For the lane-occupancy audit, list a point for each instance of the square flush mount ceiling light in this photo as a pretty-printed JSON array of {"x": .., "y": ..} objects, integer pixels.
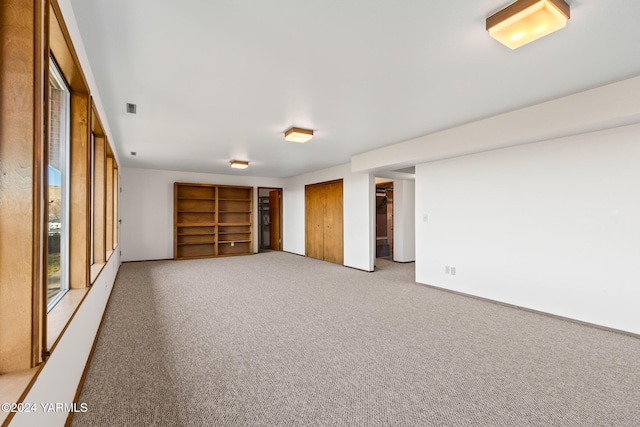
[
  {"x": 238, "y": 164},
  {"x": 527, "y": 20},
  {"x": 298, "y": 135}
]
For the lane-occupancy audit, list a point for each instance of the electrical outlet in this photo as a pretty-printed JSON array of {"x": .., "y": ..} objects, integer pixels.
[
  {"x": 453, "y": 271},
  {"x": 447, "y": 269},
  {"x": 425, "y": 218}
]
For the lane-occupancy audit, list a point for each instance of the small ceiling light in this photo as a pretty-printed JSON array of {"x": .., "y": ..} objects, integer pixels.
[
  {"x": 238, "y": 164},
  {"x": 527, "y": 20},
  {"x": 298, "y": 135}
]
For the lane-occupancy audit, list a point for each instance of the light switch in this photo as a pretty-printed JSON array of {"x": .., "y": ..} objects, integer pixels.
[{"x": 425, "y": 217}]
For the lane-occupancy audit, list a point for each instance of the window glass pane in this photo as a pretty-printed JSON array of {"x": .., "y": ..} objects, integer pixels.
[{"x": 58, "y": 188}]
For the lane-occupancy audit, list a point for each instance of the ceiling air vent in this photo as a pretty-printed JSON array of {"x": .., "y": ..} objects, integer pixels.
[{"x": 131, "y": 108}]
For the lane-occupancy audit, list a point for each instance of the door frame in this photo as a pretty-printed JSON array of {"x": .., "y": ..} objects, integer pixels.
[
  {"x": 388, "y": 185},
  {"x": 280, "y": 191}
]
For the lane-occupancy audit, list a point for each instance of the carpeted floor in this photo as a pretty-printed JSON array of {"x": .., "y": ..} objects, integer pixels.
[{"x": 281, "y": 340}]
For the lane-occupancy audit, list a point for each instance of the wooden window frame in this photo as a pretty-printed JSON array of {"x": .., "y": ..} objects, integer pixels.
[
  {"x": 62, "y": 50},
  {"x": 98, "y": 210},
  {"x": 31, "y": 32}
]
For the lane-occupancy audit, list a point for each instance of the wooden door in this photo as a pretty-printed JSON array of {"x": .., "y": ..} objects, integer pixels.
[
  {"x": 275, "y": 239},
  {"x": 324, "y": 222},
  {"x": 333, "y": 230},
  {"x": 314, "y": 201}
]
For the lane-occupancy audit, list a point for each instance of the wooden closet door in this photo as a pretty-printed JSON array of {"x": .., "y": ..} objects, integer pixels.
[
  {"x": 324, "y": 229},
  {"x": 333, "y": 228},
  {"x": 314, "y": 207}
]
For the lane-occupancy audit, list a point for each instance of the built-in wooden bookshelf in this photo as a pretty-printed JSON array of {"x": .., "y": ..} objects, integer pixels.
[{"x": 212, "y": 220}]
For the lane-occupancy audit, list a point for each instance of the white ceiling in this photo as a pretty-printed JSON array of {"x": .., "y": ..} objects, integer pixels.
[{"x": 220, "y": 80}]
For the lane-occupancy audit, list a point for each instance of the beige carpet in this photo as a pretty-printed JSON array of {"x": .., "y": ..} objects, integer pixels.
[{"x": 280, "y": 340}]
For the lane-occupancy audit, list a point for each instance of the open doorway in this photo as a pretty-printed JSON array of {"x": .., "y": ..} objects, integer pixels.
[
  {"x": 269, "y": 219},
  {"x": 384, "y": 220}
]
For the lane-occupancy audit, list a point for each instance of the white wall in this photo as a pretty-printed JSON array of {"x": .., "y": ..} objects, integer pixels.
[
  {"x": 147, "y": 208},
  {"x": 358, "y": 211},
  {"x": 605, "y": 107},
  {"x": 552, "y": 226},
  {"x": 404, "y": 229},
  {"x": 60, "y": 376},
  {"x": 78, "y": 45}
]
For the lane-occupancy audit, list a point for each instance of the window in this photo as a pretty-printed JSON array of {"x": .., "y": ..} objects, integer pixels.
[
  {"x": 53, "y": 190},
  {"x": 111, "y": 197},
  {"x": 92, "y": 148},
  {"x": 58, "y": 187}
]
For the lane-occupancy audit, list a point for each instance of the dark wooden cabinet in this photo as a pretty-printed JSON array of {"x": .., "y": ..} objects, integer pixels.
[
  {"x": 212, "y": 220},
  {"x": 324, "y": 221}
]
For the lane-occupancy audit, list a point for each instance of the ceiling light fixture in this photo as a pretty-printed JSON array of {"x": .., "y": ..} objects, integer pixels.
[
  {"x": 298, "y": 135},
  {"x": 527, "y": 20},
  {"x": 238, "y": 164}
]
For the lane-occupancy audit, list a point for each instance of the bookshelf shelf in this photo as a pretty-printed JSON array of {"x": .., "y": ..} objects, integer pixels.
[{"x": 212, "y": 220}]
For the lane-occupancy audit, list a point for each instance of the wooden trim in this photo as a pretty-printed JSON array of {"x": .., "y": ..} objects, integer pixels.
[
  {"x": 333, "y": 181},
  {"x": 44, "y": 194},
  {"x": 96, "y": 123},
  {"x": 40, "y": 207},
  {"x": 281, "y": 225},
  {"x": 175, "y": 220},
  {"x": 116, "y": 196},
  {"x": 192, "y": 184},
  {"x": 79, "y": 197},
  {"x": 99, "y": 209},
  {"x": 520, "y": 5},
  {"x": 85, "y": 371},
  {"x": 259, "y": 225},
  {"x": 21, "y": 37},
  {"x": 23, "y": 394},
  {"x": 109, "y": 203},
  {"x": 63, "y": 51},
  {"x": 23, "y": 34}
]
